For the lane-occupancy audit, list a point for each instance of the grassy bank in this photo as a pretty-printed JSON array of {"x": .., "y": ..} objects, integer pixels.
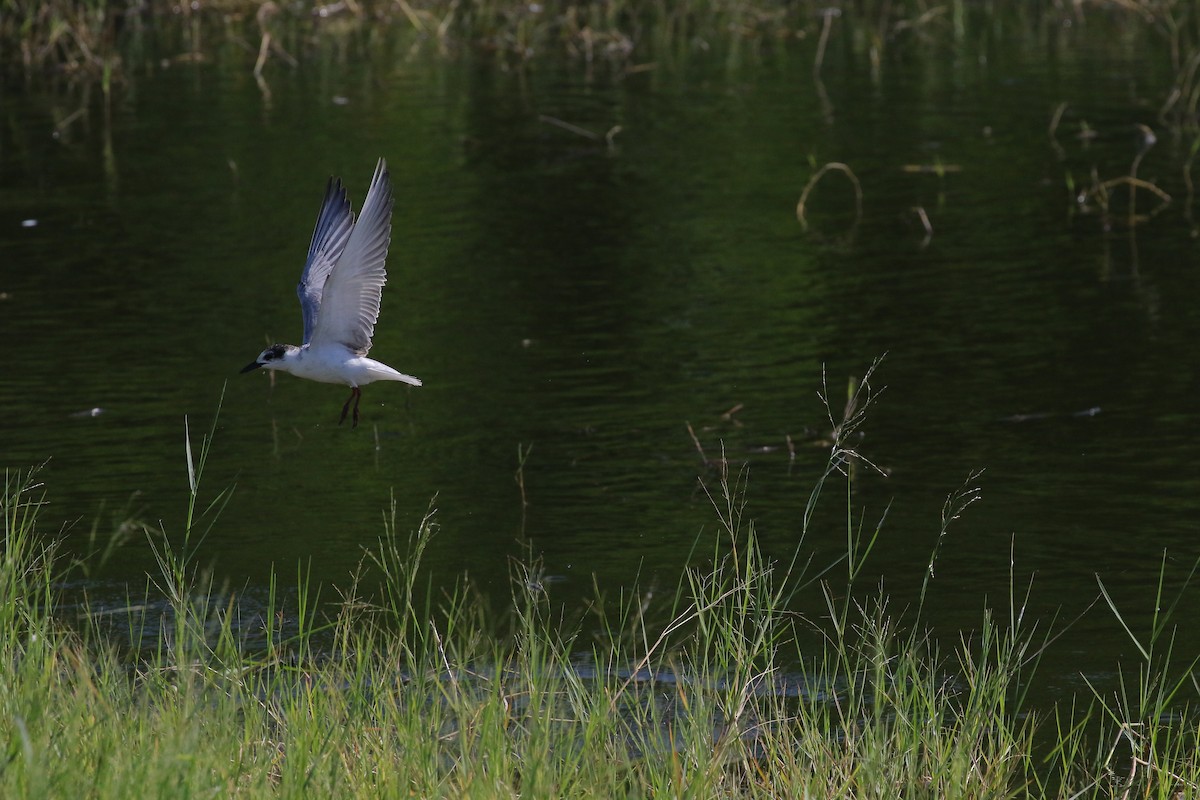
[{"x": 421, "y": 692}]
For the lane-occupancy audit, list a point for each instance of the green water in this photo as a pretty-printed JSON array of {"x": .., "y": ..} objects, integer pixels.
[{"x": 590, "y": 301}]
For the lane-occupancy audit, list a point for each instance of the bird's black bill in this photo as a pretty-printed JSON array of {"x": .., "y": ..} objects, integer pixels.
[{"x": 250, "y": 366}]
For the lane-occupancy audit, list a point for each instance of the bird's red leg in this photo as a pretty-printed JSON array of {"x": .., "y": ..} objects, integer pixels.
[{"x": 346, "y": 408}]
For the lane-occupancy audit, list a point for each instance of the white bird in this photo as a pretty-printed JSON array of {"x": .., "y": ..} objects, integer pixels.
[{"x": 339, "y": 293}]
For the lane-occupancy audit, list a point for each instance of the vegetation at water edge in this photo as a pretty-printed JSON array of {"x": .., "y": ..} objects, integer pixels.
[{"x": 715, "y": 691}]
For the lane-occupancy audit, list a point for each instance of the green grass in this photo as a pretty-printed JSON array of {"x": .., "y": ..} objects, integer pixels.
[{"x": 718, "y": 690}]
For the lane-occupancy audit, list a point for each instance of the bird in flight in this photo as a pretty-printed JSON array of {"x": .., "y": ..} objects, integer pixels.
[{"x": 339, "y": 293}]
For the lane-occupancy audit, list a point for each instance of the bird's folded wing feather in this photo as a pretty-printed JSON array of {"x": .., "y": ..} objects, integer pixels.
[
  {"x": 334, "y": 224},
  {"x": 350, "y": 301}
]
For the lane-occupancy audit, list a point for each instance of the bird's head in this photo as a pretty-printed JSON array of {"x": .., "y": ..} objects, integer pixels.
[{"x": 271, "y": 358}]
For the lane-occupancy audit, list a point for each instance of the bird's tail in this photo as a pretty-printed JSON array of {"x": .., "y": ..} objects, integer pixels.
[{"x": 382, "y": 372}]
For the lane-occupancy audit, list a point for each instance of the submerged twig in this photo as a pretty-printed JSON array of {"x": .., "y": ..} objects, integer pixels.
[{"x": 808, "y": 187}]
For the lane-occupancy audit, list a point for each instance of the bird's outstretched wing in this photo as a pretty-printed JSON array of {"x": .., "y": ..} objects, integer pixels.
[
  {"x": 350, "y": 300},
  {"x": 334, "y": 224}
]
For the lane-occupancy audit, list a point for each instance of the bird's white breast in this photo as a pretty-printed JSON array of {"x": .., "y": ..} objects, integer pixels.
[{"x": 338, "y": 364}]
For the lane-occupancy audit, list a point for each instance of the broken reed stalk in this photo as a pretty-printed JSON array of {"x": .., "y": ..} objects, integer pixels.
[
  {"x": 567, "y": 126},
  {"x": 413, "y": 18},
  {"x": 921, "y": 215},
  {"x": 1133, "y": 184},
  {"x": 808, "y": 187},
  {"x": 1187, "y": 181},
  {"x": 269, "y": 44},
  {"x": 1147, "y": 140},
  {"x": 264, "y": 50},
  {"x": 696, "y": 442},
  {"x": 522, "y": 457},
  {"x": 828, "y": 14},
  {"x": 1100, "y": 191},
  {"x": 1057, "y": 118}
]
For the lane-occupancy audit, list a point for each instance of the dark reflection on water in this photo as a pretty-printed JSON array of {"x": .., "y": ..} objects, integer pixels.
[{"x": 590, "y": 301}]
